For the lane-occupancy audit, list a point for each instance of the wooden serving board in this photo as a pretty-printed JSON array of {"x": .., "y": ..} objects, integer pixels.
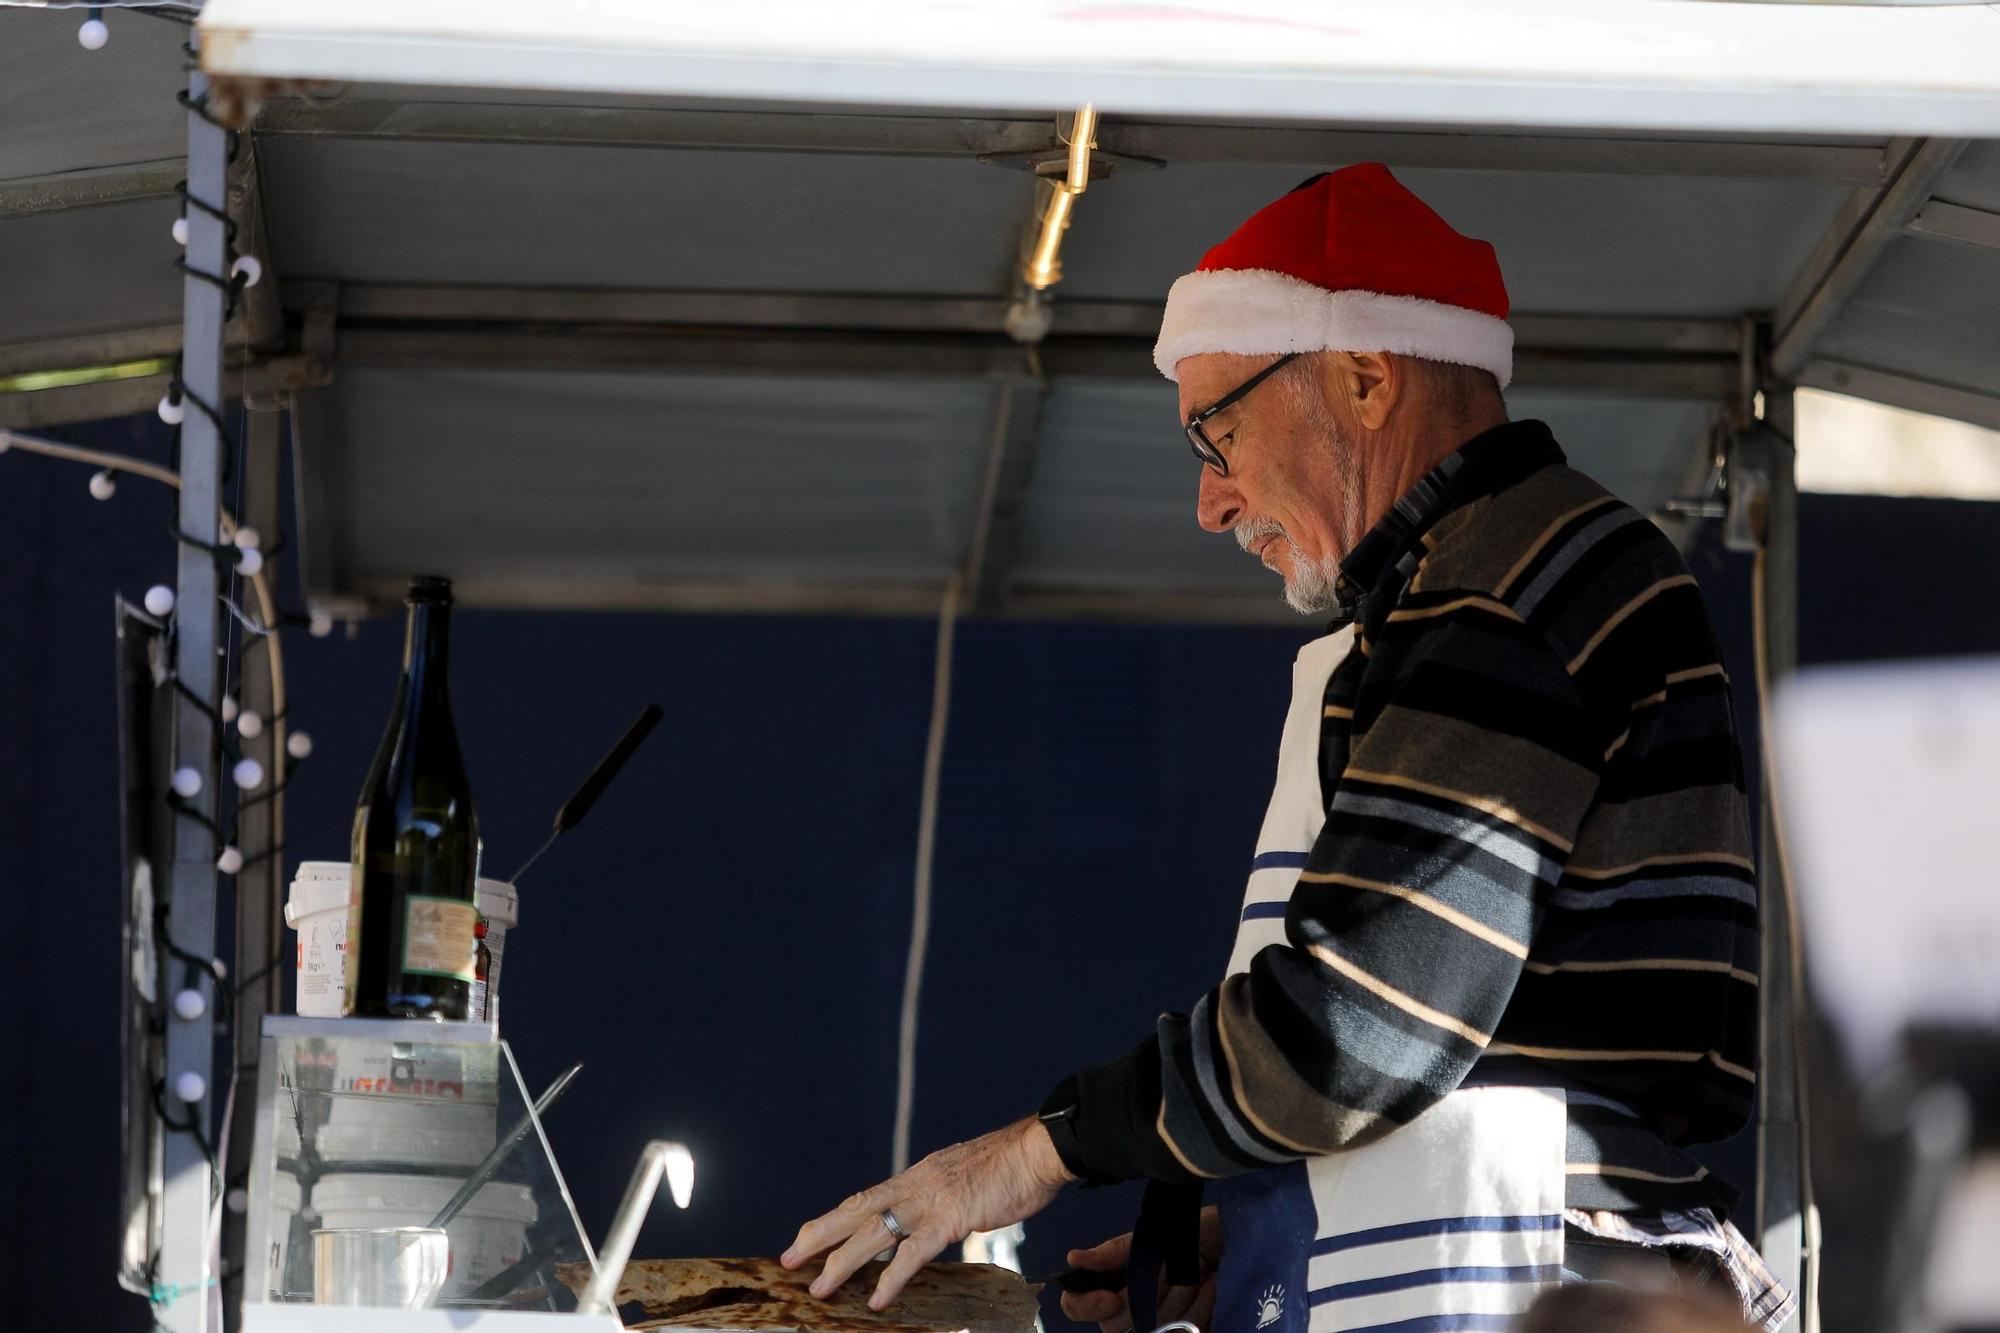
[{"x": 759, "y": 1296}]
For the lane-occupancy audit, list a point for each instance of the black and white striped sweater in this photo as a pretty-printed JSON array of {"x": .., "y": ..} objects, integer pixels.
[{"x": 1535, "y": 868}]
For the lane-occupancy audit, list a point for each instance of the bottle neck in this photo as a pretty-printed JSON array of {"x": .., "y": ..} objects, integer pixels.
[{"x": 426, "y": 651}]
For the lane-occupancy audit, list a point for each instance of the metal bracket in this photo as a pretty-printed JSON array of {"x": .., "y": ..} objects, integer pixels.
[
  {"x": 1738, "y": 485},
  {"x": 1747, "y": 501},
  {"x": 1051, "y": 160},
  {"x": 1712, "y": 501},
  {"x": 1738, "y": 489}
]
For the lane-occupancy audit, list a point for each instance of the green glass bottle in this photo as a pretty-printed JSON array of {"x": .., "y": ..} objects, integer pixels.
[{"x": 411, "y": 908}]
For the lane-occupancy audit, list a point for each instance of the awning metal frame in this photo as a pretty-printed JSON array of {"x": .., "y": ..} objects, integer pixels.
[
  {"x": 1843, "y": 260},
  {"x": 1011, "y": 139},
  {"x": 761, "y": 333}
]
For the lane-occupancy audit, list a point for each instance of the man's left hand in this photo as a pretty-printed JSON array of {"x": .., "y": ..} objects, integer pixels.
[{"x": 990, "y": 1182}]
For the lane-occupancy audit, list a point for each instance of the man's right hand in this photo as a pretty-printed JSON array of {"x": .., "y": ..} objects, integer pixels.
[{"x": 1107, "y": 1309}]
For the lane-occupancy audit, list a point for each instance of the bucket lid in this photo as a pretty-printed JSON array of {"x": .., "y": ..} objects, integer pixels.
[
  {"x": 388, "y": 1192},
  {"x": 499, "y": 901},
  {"x": 318, "y": 892}
]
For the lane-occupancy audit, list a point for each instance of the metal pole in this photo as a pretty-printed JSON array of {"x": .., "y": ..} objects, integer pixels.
[
  {"x": 259, "y": 830},
  {"x": 186, "y": 1273},
  {"x": 1781, "y": 1185},
  {"x": 658, "y": 1158}
]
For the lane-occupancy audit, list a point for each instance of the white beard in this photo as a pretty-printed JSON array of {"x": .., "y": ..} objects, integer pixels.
[
  {"x": 1309, "y": 587},
  {"x": 1309, "y": 591}
]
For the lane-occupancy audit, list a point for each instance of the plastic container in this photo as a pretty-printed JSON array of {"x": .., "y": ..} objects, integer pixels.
[
  {"x": 407, "y": 1136},
  {"x": 490, "y": 1235},
  {"x": 413, "y": 1106},
  {"x": 500, "y": 905},
  {"x": 317, "y": 910},
  {"x": 286, "y": 1199}
]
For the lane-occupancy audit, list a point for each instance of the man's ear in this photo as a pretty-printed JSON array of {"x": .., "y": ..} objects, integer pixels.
[{"x": 1369, "y": 383}]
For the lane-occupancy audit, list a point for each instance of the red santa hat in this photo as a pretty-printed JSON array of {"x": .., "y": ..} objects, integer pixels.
[{"x": 1349, "y": 261}]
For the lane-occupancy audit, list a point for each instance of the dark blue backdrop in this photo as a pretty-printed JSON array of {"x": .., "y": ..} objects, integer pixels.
[{"x": 723, "y": 941}]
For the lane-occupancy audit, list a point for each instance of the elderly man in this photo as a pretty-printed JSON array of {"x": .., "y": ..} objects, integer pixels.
[{"x": 1496, "y": 962}]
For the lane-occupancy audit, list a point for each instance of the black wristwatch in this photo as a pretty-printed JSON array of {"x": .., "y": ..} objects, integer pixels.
[{"x": 1058, "y": 1117}]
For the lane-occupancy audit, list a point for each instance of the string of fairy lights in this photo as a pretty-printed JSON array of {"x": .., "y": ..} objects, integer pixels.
[{"x": 241, "y": 558}]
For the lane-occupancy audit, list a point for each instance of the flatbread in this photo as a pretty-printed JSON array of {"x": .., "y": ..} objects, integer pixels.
[{"x": 760, "y": 1296}]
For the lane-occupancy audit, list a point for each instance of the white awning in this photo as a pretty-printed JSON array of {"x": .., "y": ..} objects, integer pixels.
[{"x": 1632, "y": 64}]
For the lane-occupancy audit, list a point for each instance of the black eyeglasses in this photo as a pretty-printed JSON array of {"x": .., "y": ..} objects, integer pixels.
[{"x": 1204, "y": 448}]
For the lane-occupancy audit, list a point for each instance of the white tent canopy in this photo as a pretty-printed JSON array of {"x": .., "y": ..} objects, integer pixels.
[{"x": 664, "y": 305}]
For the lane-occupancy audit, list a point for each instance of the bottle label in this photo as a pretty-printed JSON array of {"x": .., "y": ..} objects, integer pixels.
[{"x": 437, "y": 937}]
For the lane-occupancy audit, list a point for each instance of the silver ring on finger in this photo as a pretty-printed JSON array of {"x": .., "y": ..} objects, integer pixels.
[{"x": 895, "y": 1227}]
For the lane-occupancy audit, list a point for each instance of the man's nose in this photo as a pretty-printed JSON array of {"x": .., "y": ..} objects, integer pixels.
[{"x": 1217, "y": 503}]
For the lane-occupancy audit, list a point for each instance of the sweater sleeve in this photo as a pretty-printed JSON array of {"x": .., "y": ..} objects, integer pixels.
[{"x": 1473, "y": 761}]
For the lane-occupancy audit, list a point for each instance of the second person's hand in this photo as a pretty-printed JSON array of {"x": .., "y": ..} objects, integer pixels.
[{"x": 1108, "y": 1310}]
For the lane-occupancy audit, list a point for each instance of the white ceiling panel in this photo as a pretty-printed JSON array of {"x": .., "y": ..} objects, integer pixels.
[
  {"x": 88, "y": 270},
  {"x": 65, "y": 110},
  {"x": 544, "y": 215},
  {"x": 1930, "y": 309},
  {"x": 588, "y": 488},
  {"x": 1568, "y": 242}
]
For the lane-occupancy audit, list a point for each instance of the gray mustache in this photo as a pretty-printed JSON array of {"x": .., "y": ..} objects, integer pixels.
[{"x": 1251, "y": 531}]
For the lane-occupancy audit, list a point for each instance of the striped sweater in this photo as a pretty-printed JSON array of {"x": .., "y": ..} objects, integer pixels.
[{"x": 1535, "y": 866}]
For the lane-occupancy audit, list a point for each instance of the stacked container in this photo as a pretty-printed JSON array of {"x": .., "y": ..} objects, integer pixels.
[{"x": 407, "y": 1121}]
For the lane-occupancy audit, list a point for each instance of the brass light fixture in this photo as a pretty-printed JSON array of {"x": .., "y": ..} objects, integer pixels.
[{"x": 1042, "y": 268}]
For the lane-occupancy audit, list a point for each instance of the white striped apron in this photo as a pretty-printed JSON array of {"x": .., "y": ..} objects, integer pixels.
[{"x": 1451, "y": 1222}]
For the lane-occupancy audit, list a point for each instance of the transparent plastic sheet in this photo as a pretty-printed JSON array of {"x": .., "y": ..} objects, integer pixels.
[{"x": 364, "y": 1123}]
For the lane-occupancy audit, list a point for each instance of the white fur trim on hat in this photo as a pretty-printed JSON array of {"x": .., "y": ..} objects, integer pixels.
[{"x": 1252, "y": 312}]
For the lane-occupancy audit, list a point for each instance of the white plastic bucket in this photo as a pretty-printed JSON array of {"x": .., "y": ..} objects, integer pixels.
[
  {"x": 500, "y": 905},
  {"x": 491, "y": 1233},
  {"x": 317, "y": 910}
]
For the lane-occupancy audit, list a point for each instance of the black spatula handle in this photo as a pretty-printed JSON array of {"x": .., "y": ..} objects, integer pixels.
[{"x": 607, "y": 768}]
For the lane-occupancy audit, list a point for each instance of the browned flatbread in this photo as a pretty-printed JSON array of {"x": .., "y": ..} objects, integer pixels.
[{"x": 758, "y": 1294}]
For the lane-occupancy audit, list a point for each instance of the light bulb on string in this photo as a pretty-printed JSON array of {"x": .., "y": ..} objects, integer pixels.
[
  {"x": 103, "y": 485},
  {"x": 187, "y": 783},
  {"x": 190, "y": 1087},
  {"x": 246, "y": 538},
  {"x": 247, "y": 268},
  {"x": 180, "y": 231},
  {"x": 248, "y": 773},
  {"x": 230, "y": 861},
  {"x": 160, "y": 600},
  {"x": 171, "y": 410},
  {"x": 249, "y": 724},
  {"x": 320, "y": 625},
  {"x": 250, "y": 563},
  {"x": 229, "y": 708},
  {"x": 93, "y": 34},
  {"x": 190, "y": 1004},
  {"x": 299, "y": 745}
]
